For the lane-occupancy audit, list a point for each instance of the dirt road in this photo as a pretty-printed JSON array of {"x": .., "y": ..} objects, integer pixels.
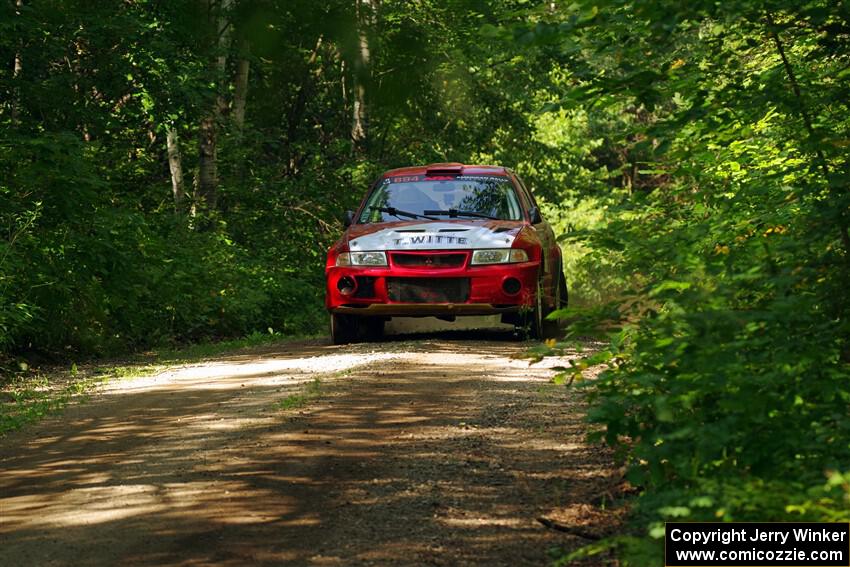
[{"x": 431, "y": 450}]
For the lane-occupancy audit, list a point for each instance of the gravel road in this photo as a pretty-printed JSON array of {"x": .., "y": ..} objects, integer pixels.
[{"x": 423, "y": 450}]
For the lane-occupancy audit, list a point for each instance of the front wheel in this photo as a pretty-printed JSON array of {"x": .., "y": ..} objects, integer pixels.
[
  {"x": 351, "y": 329},
  {"x": 344, "y": 329},
  {"x": 553, "y": 329},
  {"x": 531, "y": 319},
  {"x": 373, "y": 328}
]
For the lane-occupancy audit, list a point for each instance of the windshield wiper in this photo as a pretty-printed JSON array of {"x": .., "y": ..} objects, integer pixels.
[
  {"x": 399, "y": 213},
  {"x": 456, "y": 213}
]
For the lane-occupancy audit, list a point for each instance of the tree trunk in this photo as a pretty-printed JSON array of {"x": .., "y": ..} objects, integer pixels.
[
  {"x": 240, "y": 90},
  {"x": 175, "y": 165},
  {"x": 296, "y": 110},
  {"x": 359, "y": 124},
  {"x": 224, "y": 31},
  {"x": 207, "y": 186},
  {"x": 207, "y": 183},
  {"x": 16, "y": 73},
  {"x": 342, "y": 84}
]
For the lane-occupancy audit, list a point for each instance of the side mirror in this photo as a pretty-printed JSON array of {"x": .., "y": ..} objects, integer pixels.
[
  {"x": 347, "y": 218},
  {"x": 534, "y": 215}
]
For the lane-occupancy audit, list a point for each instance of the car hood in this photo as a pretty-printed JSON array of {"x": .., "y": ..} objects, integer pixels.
[{"x": 433, "y": 235}]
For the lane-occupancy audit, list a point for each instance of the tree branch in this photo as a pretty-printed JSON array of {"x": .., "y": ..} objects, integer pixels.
[{"x": 807, "y": 122}]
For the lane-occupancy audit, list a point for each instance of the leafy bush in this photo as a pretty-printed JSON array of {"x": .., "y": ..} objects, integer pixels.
[{"x": 728, "y": 370}]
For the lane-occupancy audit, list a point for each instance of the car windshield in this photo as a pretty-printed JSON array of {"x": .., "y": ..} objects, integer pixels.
[{"x": 443, "y": 197}]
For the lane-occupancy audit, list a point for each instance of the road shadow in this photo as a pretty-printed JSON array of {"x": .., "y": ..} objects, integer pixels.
[{"x": 439, "y": 458}]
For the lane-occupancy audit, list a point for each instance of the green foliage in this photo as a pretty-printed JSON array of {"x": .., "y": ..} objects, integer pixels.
[
  {"x": 95, "y": 258},
  {"x": 726, "y": 389},
  {"x": 693, "y": 156}
]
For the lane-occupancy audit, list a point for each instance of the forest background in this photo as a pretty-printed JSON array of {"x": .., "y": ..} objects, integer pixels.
[{"x": 172, "y": 172}]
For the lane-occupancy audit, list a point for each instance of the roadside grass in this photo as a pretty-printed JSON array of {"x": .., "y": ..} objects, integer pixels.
[
  {"x": 195, "y": 352},
  {"x": 293, "y": 401},
  {"x": 314, "y": 389},
  {"x": 28, "y": 394},
  {"x": 27, "y": 397}
]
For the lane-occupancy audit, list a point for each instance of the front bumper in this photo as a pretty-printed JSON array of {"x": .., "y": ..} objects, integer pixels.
[
  {"x": 483, "y": 290},
  {"x": 426, "y": 309}
]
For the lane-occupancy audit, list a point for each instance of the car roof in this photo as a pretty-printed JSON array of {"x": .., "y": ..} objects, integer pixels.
[{"x": 456, "y": 168}]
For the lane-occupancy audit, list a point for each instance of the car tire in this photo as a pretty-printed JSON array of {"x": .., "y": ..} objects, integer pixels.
[
  {"x": 552, "y": 329},
  {"x": 373, "y": 328},
  {"x": 564, "y": 292},
  {"x": 538, "y": 322},
  {"x": 344, "y": 329},
  {"x": 531, "y": 320}
]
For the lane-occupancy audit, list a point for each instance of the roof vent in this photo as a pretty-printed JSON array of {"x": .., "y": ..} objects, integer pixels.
[{"x": 444, "y": 169}]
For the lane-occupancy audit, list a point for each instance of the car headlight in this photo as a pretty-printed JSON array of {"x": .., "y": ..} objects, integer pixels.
[
  {"x": 362, "y": 259},
  {"x": 499, "y": 256}
]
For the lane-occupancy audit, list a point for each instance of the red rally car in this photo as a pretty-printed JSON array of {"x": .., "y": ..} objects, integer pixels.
[{"x": 444, "y": 240}]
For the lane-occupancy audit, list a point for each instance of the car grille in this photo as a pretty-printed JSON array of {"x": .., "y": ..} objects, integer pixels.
[
  {"x": 428, "y": 290},
  {"x": 405, "y": 260},
  {"x": 365, "y": 286}
]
